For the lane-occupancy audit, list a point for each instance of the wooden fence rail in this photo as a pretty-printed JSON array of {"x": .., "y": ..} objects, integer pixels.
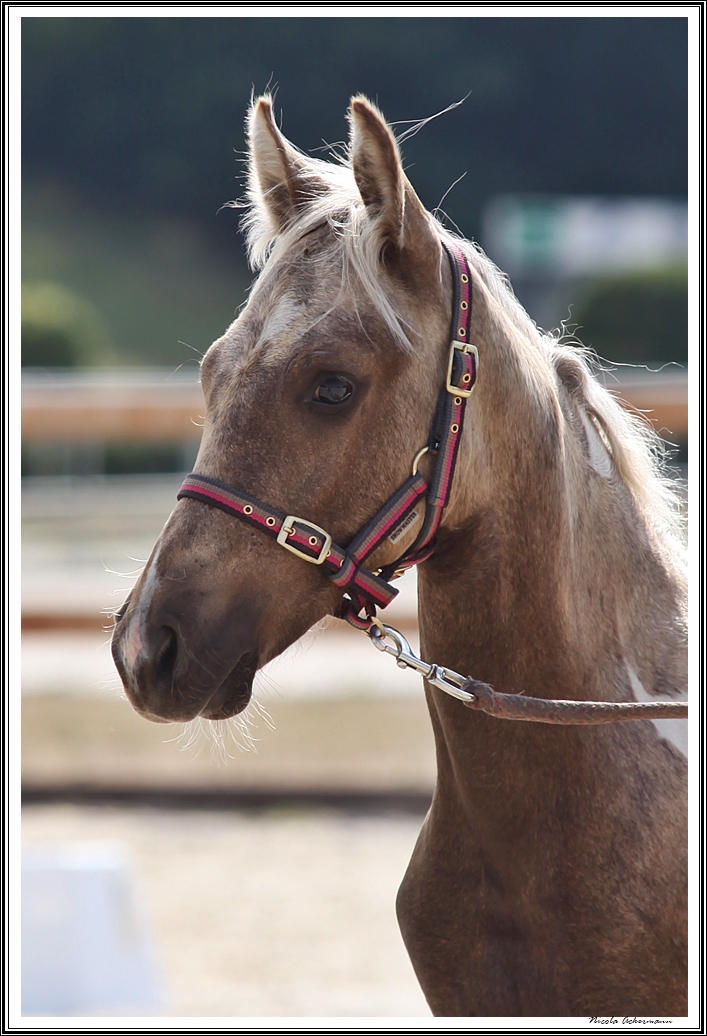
[{"x": 155, "y": 405}]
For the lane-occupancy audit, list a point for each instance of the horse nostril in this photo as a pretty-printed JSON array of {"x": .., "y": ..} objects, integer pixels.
[{"x": 166, "y": 657}]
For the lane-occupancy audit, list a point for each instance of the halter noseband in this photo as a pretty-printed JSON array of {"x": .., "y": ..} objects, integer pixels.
[{"x": 365, "y": 590}]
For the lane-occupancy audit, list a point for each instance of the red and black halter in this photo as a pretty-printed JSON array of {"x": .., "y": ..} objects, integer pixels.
[{"x": 363, "y": 589}]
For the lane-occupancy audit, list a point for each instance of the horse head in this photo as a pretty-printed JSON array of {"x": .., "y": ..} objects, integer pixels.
[{"x": 317, "y": 399}]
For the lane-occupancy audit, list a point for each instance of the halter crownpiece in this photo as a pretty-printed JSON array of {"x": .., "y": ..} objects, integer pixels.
[{"x": 365, "y": 590}]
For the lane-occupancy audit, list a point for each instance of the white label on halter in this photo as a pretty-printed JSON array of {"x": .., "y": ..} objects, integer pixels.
[{"x": 406, "y": 524}]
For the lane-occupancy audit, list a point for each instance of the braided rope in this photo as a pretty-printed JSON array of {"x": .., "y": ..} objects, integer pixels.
[{"x": 571, "y": 713}]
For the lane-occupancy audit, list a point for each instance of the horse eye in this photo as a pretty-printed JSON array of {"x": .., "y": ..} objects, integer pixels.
[{"x": 333, "y": 390}]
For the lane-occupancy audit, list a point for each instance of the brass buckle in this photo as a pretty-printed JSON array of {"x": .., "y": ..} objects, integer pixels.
[
  {"x": 288, "y": 527},
  {"x": 465, "y": 347}
]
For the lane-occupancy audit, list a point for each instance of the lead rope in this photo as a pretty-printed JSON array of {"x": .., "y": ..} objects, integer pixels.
[{"x": 480, "y": 696}]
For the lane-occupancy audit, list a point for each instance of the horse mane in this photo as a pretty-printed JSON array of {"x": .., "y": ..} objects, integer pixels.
[{"x": 638, "y": 453}]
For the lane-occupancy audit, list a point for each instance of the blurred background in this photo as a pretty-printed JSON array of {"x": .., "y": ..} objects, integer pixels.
[{"x": 265, "y": 856}]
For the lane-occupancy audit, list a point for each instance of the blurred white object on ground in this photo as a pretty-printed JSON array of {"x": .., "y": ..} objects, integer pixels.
[{"x": 85, "y": 946}]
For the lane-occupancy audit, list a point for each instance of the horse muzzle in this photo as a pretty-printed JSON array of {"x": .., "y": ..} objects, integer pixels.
[{"x": 176, "y": 668}]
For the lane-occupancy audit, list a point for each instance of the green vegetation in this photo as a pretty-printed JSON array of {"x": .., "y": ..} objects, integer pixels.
[
  {"x": 60, "y": 328},
  {"x": 109, "y": 458},
  {"x": 160, "y": 291},
  {"x": 636, "y": 318}
]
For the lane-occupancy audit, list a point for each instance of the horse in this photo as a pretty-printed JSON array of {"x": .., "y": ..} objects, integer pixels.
[{"x": 550, "y": 873}]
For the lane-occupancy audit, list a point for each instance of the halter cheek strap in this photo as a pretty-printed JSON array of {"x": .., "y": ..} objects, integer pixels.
[{"x": 365, "y": 590}]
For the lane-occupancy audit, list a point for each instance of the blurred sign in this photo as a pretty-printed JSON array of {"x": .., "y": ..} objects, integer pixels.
[
  {"x": 561, "y": 237},
  {"x": 84, "y": 944}
]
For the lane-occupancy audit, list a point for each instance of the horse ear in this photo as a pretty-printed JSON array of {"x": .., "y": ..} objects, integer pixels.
[
  {"x": 284, "y": 178},
  {"x": 378, "y": 170}
]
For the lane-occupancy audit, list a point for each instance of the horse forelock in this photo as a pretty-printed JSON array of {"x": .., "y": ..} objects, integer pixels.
[{"x": 351, "y": 254}]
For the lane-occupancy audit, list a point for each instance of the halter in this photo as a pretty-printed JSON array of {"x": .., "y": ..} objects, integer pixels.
[{"x": 365, "y": 590}]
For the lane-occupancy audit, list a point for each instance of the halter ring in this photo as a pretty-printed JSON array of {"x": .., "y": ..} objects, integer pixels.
[{"x": 418, "y": 458}]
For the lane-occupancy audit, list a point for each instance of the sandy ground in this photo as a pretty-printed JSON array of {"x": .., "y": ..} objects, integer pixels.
[
  {"x": 286, "y": 914},
  {"x": 357, "y": 744}
]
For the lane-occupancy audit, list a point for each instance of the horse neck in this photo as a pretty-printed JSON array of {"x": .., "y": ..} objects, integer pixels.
[{"x": 547, "y": 579}]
